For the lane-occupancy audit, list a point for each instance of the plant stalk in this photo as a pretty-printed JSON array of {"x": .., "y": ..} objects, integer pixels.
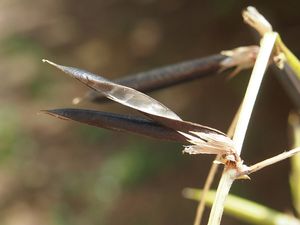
[
  {"x": 212, "y": 172},
  {"x": 229, "y": 174}
]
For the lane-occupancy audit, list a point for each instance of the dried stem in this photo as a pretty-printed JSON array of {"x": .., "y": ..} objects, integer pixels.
[
  {"x": 212, "y": 172},
  {"x": 211, "y": 175},
  {"x": 270, "y": 161},
  {"x": 229, "y": 174},
  {"x": 253, "y": 88}
]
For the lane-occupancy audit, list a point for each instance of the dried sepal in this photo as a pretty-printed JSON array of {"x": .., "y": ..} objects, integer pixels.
[{"x": 256, "y": 20}]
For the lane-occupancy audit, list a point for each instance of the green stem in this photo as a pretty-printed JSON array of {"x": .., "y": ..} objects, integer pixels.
[
  {"x": 245, "y": 210},
  {"x": 291, "y": 59}
]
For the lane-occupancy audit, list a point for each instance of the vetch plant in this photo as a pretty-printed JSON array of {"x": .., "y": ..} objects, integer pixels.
[{"x": 163, "y": 123}]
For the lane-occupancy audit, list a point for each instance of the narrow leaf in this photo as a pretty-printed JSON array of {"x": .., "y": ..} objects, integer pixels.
[
  {"x": 117, "y": 122},
  {"x": 203, "y": 138},
  {"x": 118, "y": 93},
  {"x": 135, "y": 99},
  {"x": 170, "y": 75},
  {"x": 290, "y": 82}
]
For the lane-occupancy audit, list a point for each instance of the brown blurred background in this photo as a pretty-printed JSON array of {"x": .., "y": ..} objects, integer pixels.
[{"x": 54, "y": 172}]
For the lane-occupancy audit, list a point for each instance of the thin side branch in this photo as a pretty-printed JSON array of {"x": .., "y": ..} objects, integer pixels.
[
  {"x": 212, "y": 172},
  {"x": 201, "y": 205},
  {"x": 270, "y": 161}
]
